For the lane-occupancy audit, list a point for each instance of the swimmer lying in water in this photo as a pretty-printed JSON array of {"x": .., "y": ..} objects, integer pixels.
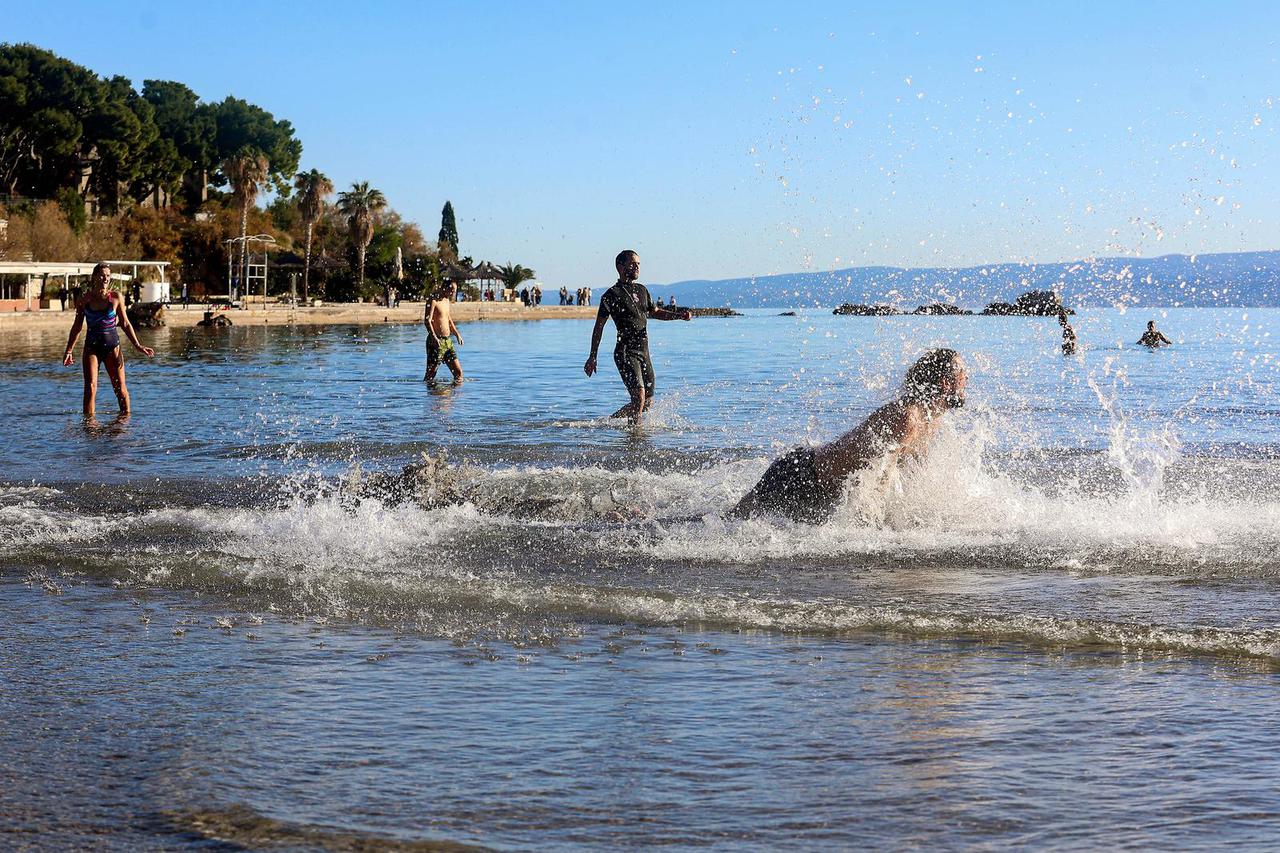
[{"x": 806, "y": 484}]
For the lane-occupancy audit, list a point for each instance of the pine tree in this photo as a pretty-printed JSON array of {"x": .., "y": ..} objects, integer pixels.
[{"x": 449, "y": 228}]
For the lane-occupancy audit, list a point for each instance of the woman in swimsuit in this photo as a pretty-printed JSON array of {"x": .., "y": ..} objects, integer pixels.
[{"x": 102, "y": 310}]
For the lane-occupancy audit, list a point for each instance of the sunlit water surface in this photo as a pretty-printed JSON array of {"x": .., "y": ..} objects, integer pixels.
[{"x": 1062, "y": 628}]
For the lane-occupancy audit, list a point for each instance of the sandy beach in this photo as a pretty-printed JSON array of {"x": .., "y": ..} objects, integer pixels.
[{"x": 406, "y": 312}]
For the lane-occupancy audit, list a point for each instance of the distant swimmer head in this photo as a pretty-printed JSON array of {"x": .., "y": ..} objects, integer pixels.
[
  {"x": 1151, "y": 325},
  {"x": 938, "y": 376},
  {"x": 628, "y": 264}
]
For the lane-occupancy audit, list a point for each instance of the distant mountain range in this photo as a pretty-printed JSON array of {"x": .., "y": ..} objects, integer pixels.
[{"x": 1229, "y": 279}]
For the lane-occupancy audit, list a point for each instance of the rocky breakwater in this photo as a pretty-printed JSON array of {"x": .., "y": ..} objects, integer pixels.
[
  {"x": 1033, "y": 303},
  {"x": 711, "y": 312},
  {"x": 851, "y": 309}
]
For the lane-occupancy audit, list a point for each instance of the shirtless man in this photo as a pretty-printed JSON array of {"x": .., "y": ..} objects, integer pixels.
[
  {"x": 1153, "y": 337},
  {"x": 629, "y": 304},
  {"x": 440, "y": 327},
  {"x": 806, "y": 484}
]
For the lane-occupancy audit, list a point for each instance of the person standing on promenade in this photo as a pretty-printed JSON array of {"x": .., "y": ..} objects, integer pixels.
[
  {"x": 102, "y": 310},
  {"x": 1153, "y": 337},
  {"x": 440, "y": 328},
  {"x": 806, "y": 484},
  {"x": 629, "y": 304}
]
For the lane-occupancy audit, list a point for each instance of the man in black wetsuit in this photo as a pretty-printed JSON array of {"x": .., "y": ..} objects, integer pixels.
[{"x": 629, "y": 304}]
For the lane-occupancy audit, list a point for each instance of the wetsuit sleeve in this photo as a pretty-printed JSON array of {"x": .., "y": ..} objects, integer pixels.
[
  {"x": 648, "y": 302},
  {"x": 602, "y": 312}
]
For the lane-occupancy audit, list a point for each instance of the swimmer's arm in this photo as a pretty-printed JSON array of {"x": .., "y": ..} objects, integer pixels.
[
  {"x": 1163, "y": 338},
  {"x": 453, "y": 330},
  {"x": 130, "y": 333},
  {"x": 433, "y": 311},
  {"x": 602, "y": 316},
  {"x": 911, "y": 435},
  {"x": 67, "y": 357}
]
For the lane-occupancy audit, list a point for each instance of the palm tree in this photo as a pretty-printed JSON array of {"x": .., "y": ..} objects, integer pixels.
[
  {"x": 359, "y": 205},
  {"x": 246, "y": 170},
  {"x": 313, "y": 188},
  {"x": 513, "y": 275}
]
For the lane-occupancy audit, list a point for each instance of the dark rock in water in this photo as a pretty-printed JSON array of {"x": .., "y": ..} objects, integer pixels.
[
  {"x": 849, "y": 308},
  {"x": 431, "y": 483},
  {"x": 711, "y": 312},
  {"x": 212, "y": 319},
  {"x": 435, "y": 483},
  {"x": 1033, "y": 303},
  {"x": 942, "y": 308},
  {"x": 147, "y": 315},
  {"x": 787, "y": 314}
]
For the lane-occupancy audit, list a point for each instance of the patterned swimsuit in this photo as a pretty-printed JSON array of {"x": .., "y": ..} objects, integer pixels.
[{"x": 102, "y": 338}]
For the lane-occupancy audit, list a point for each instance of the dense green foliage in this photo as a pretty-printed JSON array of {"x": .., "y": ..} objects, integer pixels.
[
  {"x": 449, "y": 229},
  {"x": 313, "y": 188},
  {"x": 92, "y": 168},
  {"x": 360, "y": 206},
  {"x": 64, "y": 128},
  {"x": 513, "y": 275}
]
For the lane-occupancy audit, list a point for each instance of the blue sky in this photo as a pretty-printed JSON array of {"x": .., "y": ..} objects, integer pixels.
[{"x": 734, "y": 139}]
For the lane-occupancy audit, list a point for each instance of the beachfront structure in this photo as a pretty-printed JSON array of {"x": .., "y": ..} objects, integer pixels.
[
  {"x": 23, "y": 284},
  {"x": 253, "y": 262}
]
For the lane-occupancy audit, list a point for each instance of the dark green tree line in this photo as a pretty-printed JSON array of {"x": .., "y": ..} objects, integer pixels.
[{"x": 63, "y": 128}]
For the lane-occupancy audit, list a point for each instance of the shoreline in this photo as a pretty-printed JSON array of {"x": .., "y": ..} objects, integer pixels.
[{"x": 175, "y": 316}]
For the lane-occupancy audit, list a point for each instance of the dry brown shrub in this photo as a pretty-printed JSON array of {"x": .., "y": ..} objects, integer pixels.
[{"x": 51, "y": 238}]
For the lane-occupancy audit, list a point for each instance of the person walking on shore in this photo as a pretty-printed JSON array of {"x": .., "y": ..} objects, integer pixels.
[
  {"x": 629, "y": 304},
  {"x": 440, "y": 328},
  {"x": 102, "y": 311}
]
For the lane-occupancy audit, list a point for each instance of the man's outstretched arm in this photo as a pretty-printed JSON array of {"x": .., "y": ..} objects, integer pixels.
[
  {"x": 602, "y": 317},
  {"x": 668, "y": 314}
]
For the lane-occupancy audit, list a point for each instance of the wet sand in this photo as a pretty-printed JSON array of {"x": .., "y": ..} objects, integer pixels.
[{"x": 406, "y": 312}]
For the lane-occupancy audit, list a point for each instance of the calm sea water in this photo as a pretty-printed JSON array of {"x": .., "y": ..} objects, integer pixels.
[{"x": 219, "y": 625}]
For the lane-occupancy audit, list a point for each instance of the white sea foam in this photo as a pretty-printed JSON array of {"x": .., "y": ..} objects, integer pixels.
[{"x": 534, "y": 543}]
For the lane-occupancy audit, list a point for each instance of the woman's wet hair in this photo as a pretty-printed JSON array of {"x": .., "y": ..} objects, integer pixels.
[
  {"x": 101, "y": 265},
  {"x": 925, "y": 377}
]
